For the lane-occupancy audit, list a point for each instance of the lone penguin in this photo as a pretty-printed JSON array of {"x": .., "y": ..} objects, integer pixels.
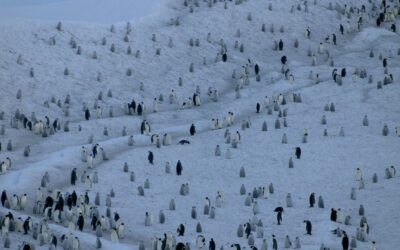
[
  {"x": 150, "y": 157},
  {"x": 312, "y": 199},
  {"x": 179, "y": 168},
  {"x": 258, "y": 106},
  {"x": 87, "y": 114},
  {"x": 211, "y": 244},
  {"x": 192, "y": 129},
  {"x": 308, "y": 226},
  {"x": 74, "y": 177},
  {"x": 298, "y": 152},
  {"x": 279, "y": 217}
]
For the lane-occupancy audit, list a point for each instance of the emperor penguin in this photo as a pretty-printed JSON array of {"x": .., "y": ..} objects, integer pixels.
[
  {"x": 88, "y": 183},
  {"x": 155, "y": 105},
  {"x": 392, "y": 171},
  {"x": 98, "y": 112},
  {"x": 358, "y": 174},
  {"x": 207, "y": 202},
  {"x": 200, "y": 241},
  {"x": 167, "y": 139},
  {"x": 229, "y": 119},
  {"x": 321, "y": 48},
  {"x": 219, "y": 123},
  {"x": 196, "y": 100},
  {"x": 23, "y": 202},
  {"x": 308, "y": 226},
  {"x": 237, "y": 136},
  {"x": 192, "y": 129},
  {"x": 213, "y": 124},
  {"x": 120, "y": 230},
  {"x": 75, "y": 243},
  {"x": 19, "y": 224},
  {"x": 181, "y": 230},
  {"x": 266, "y": 102},
  {"x": 95, "y": 150},
  {"x": 39, "y": 195},
  {"x": 148, "y": 219},
  {"x": 340, "y": 216},
  {"x": 89, "y": 161},
  {"x": 3, "y": 197},
  {"x": 87, "y": 114},
  {"x": 312, "y": 199},
  {"x": 83, "y": 153},
  {"x": 373, "y": 245},
  {"x": 308, "y": 32},
  {"x": 189, "y": 102},
  {"x": 274, "y": 243},
  {"x": 14, "y": 202},
  {"x": 3, "y": 168},
  {"x": 345, "y": 241}
]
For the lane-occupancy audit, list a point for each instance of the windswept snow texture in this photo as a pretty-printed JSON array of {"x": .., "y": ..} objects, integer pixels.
[
  {"x": 93, "y": 44},
  {"x": 93, "y": 11}
]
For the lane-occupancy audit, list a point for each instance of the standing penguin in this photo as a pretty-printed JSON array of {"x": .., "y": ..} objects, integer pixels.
[
  {"x": 3, "y": 197},
  {"x": 155, "y": 105},
  {"x": 345, "y": 241},
  {"x": 95, "y": 150},
  {"x": 256, "y": 69},
  {"x": 74, "y": 176},
  {"x": 150, "y": 157},
  {"x": 308, "y": 32},
  {"x": 181, "y": 230},
  {"x": 334, "y": 39},
  {"x": 88, "y": 183},
  {"x": 80, "y": 222},
  {"x": 343, "y": 72},
  {"x": 373, "y": 245},
  {"x": 312, "y": 199},
  {"x": 27, "y": 225},
  {"x": 139, "y": 109},
  {"x": 23, "y": 202},
  {"x": 308, "y": 226},
  {"x": 211, "y": 244},
  {"x": 258, "y": 106},
  {"x": 288, "y": 242},
  {"x": 358, "y": 174},
  {"x": 247, "y": 229},
  {"x": 274, "y": 243},
  {"x": 279, "y": 216},
  {"x": 224, "y": 57},
  {"x": 280, "y": 44},
  {"x": 298, "y": 152},
  {"x": 192, "y": 129},
  {"x": 333, "y": 214},
  {"x": 179, "y": 168},
  {"x": 87, "y": 114}
]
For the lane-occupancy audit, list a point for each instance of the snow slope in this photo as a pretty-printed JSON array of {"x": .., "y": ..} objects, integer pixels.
[
  {"x": 93, "y": 11},
  {"x": 327, "y": 164}
]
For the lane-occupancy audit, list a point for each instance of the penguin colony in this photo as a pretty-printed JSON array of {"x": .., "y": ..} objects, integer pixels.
[{"x": 57, "y": 212}]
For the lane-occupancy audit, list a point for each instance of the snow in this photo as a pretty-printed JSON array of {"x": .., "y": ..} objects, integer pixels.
[
  {"x": 327, "y": 165},
  {"x": 92, "y": 11}
]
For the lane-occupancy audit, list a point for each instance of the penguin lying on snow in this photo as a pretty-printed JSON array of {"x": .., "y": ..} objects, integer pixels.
[{"x": 182, "y": 142}]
